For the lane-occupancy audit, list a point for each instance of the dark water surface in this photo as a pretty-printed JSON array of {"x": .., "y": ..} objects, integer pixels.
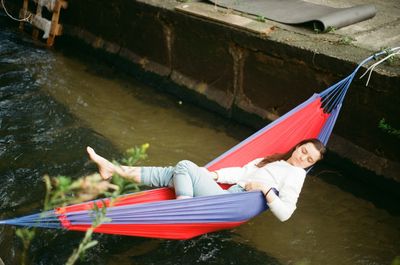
[{"x": 52, "y": 105}]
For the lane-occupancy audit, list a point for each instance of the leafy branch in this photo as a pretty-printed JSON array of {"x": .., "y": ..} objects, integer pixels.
[
  {"x": 99, "y": 217},
  {"x": 26, "y": 235},
  {"x": 62, "y": 191},
  {"x": 134, "y": 155}
]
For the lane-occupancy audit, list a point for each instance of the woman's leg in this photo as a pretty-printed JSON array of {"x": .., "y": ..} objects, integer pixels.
[
  {"x": 191, "y": 180},
  {"x": 157, "y": 176},
  {"x": 150, "y": 176},
  {"x": 108, "y": 169},
  {"x": 188, "y": 179}
]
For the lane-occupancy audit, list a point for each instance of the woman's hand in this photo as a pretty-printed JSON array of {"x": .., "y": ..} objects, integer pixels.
[
  {"x": 256, "y": 186},
  {"x": 269, "y": 196},
  {"x": 214, "y": 175}
]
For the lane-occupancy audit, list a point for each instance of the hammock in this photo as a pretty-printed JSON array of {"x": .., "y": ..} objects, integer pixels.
[{"x": 156, "y": 214}]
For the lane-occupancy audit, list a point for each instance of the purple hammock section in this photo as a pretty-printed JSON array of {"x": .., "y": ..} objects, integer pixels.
[{"x": 156, "y": 214}]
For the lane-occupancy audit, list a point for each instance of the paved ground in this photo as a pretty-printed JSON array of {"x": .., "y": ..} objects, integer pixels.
[
  {"x": 379, "y": 32},
  {"x": 376, "y": 33}
]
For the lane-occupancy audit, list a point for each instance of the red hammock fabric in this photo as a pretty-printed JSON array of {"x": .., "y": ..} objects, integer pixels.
[{"x": 290, "y": 129}]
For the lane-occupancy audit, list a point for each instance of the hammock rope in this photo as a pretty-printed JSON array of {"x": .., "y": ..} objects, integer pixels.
[
  {"x": 156, "y": 214},
  {"x": 391, "y": 53}
]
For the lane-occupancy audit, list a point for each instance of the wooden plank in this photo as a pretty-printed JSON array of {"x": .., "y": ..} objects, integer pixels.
[
  {"x": 41, "y": 23},
  {"x": 22, "y": 13},
  {"x": 58, "y": 30},
  {"x": 54, "y": 23},
  {"x": 225, "y": 16},
  {"x": 64, "y": 4},
  {"x": 35, "y": 32}
]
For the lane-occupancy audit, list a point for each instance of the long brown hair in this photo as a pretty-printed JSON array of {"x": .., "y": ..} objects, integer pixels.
[{"x": 285, "y": 156}]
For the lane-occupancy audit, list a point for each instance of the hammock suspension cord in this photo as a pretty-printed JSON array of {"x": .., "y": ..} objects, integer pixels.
[
  {"x": 26, "y": 19},
  {"x": 334, "y": 95},
  {"x": 391, "y": 53}
]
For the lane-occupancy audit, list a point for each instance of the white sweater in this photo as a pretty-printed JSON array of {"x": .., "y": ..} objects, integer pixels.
[{"x": 281, "y": 175}]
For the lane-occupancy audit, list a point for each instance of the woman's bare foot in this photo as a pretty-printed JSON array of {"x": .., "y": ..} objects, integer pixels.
[{"x": 106, "y": 168}]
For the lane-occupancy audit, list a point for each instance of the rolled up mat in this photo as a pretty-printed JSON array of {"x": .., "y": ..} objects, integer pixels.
[{"x": 299, "y": 12}]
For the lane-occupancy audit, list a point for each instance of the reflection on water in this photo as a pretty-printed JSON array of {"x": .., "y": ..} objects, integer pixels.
[
  {"x": 217, "y": 248},
  {"x": 33, "y": 127},
  {"x": 128, "y": 113},
  {"x": 37, "y": 136},
  {"x": 329, "y": 227},
  {"x": 52, "y": 105}
]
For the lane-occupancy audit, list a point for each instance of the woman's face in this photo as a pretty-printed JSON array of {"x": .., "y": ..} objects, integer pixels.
[{"x": 305, "y": 156}]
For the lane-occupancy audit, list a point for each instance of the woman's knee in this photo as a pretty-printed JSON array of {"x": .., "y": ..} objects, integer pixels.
[
  {"x": 188, "y": 170},
  {"x": 184, "y": 166}
]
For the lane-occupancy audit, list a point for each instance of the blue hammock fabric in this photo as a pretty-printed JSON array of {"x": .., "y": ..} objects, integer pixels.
[
  {"x": 206, "y": 209},
  {"x": 156, "y": 214}
]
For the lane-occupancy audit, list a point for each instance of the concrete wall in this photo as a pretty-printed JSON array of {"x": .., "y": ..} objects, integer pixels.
[{"x": 242, "y": 75}]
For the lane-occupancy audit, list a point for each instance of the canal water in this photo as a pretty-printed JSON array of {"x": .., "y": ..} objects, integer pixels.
[{"x": 53, "y": 103}]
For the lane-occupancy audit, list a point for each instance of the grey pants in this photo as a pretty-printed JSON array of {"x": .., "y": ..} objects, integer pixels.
[{"x": 186, "y": 177}]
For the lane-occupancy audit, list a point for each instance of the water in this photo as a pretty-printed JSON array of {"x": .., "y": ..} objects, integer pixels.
[{"x": 52, "y": 105}]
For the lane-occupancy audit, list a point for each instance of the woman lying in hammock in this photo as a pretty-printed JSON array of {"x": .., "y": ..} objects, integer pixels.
[{"x": 282, "y": 172}]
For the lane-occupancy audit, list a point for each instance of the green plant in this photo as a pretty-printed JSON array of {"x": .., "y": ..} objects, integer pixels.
[
  {"x": 388, "y": 51},
  {"x": 384, "y": 126},
  {"x": 260, "y": 18},
  {"x": 330, "y": 29},
  {"x": 396, "y": 261},
  {"x": 131, "y": 158},
  {"x": 124, "y": 186},
  {"x": 134, "y": 155},
  {"x": 26, "y": 235},
  {"x": 99, "y": 217},
  {"x": 346, "y": 40},
  {"x": 62, "y": 190},
  {"x": 59, "y": 191},
  {"x": 317, "y": 28}
]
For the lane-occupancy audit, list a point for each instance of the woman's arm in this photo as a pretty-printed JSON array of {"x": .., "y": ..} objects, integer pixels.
[
  {"x": 284, "y": 205},
  {"x": 270, "y": 196},
  {"x": 289, "y": 180},
  {"x": 281, "y": 206},
  {"x": 231, "y": 175}
]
